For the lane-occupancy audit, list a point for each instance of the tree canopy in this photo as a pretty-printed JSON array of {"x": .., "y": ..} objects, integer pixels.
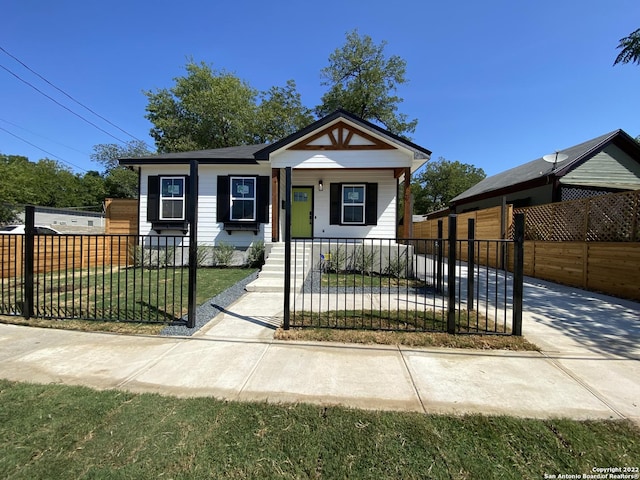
[
  {"x": 119, "y": 182},
  {"x": 363, "y": 81},
  {"x": 440, "y": 181},
  {"x": 46, "y": 183},
  {"x": 629, "y": 49},
  {"x": 213, "y": 109}
]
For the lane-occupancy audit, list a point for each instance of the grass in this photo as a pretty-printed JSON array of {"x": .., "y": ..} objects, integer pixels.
[
  {"x": 122, "y": 296},
  {"x": 408, "y": 339},
  {"x": 362, "y": 280},
  {"x": 58, "y": 431}
]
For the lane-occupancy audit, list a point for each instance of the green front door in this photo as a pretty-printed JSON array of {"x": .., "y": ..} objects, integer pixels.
[{"x": 302, "y": 212}]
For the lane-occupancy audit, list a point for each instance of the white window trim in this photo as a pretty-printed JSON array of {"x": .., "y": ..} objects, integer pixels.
[
  {"x": 362, "y": 204},
  {"x": 232, "y": 198},
  {"x": 175, "y": 199}
]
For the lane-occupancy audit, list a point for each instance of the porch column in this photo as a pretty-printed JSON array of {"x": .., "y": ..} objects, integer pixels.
[
  {"x": 275, "y": 204},
  {"x": 408, "y": 217}
]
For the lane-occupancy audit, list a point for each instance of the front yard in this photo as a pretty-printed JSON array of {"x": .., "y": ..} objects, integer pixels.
[{"x": 56, "y": 431}]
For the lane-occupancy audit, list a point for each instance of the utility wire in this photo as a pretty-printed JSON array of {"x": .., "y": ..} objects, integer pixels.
[
  {"x": 60, "y": 104},
  {"x": 42, "y": 136},
  {"x": 70, "y": 97},
  {"x": 45, "y": 151}
]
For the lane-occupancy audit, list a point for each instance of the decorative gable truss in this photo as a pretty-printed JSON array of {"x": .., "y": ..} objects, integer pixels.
[{"x": 341, "y": 136}]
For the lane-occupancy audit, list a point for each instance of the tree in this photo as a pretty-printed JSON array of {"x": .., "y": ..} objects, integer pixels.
[
  {"x": 441, "y": 181},
  {"x": 119, "y": 182},
  {"x": 108, "y": 154},
  {"x": 280, "y": 113},
  {"x": 46, "y": 183},
  {"x": 363, "y": 81},
  {"x": 214, "y": 109},
  {"x": 630, "y": 49}
]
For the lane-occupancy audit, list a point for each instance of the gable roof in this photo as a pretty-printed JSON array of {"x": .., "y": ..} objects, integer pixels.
[
  {"x": 539, "y": 170},
  {"x": 252, "y": 154},
  {"x": 418, "y": 151}
]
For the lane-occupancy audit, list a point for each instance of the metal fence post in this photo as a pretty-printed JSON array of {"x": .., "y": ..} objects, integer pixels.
[
  {"x": 29, "y": 241},
  {"x": 471, "y": 260},
  {"x": 451, "y": 276},
  {"x": 439, "y": 258},
  {"x": 287, "y": 248},
  {"x": 193, "y": 242},
  {"x": 518, "y": 273}
]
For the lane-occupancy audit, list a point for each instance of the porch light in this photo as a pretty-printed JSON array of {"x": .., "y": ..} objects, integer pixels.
[{"x": 320, "y": 185}]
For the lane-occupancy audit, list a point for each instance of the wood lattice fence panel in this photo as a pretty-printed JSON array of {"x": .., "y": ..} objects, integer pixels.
[
  {"x": 606, "y": 218},
  {"x": 611, "y": 219}
]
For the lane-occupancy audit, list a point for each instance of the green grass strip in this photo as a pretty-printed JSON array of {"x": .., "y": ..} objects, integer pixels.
[{"x": 57, "y": 431}]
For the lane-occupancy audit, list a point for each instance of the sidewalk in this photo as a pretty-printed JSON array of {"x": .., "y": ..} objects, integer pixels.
[{"x": 236, "y": 358}]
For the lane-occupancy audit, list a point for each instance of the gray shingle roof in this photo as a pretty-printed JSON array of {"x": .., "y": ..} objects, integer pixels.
[
  {"x": 239, "y": 154},
  {"x": 538, "y": 168}
]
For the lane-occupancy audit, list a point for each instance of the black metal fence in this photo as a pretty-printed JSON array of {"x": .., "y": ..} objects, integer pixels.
[
  {"x": 454, "y": 285},
  {"x": 95, "y": 277}
]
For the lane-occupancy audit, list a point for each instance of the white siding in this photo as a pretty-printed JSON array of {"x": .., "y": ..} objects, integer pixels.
[
  {"x": 209, "y": 230},
  {"x": 386, "y": 227},
  {"x": 342, "y": 159}
]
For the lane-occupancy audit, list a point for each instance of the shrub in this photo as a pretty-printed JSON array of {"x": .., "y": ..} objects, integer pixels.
[
  {"x": 223, "y": 254},
  {"x": 255, "y": 257}
]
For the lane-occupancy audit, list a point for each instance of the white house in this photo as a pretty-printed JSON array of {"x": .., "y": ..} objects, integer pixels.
[{"x": 345, "y": 177}]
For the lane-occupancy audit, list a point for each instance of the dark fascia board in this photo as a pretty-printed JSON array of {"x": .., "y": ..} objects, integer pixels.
[
  {"x": 518, "y": 187},
  {"x": 618, "y": 137},
  {"x": 239, "y": 155},
  {"x": 419, "y": 152},
  {"x": 185, "y": 161}
]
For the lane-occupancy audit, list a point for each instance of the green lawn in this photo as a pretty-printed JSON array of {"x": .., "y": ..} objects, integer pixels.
[
  {"x": 59, "y": 431},
  {"x": 131, "y": 294},
  {"x": 362, "y": 280}
]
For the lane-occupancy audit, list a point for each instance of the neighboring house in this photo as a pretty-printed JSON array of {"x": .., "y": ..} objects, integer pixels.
[
  {"x": 68, "y": 220},
  {"x": 606, "y": 164},
  {"x": 345, "y": 177}
]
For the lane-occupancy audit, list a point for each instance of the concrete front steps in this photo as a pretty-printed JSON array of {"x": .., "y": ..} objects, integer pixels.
[{"x": 271, "y": 277}]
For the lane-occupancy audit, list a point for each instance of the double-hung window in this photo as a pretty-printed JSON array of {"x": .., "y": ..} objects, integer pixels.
[
  {"x": 243, "y": 198},
  {"x": 353, "y": 204},
  {"x": 172, "y": 198}
]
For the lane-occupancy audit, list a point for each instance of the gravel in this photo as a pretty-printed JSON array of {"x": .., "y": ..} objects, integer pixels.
[{"x": 210, "y": 308}]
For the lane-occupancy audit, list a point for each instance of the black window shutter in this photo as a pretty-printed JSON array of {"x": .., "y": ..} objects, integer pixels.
[
  {"x": 371, "y": 206},
  {"x": 153, "y": 198},
  {"x": 222, "y": 199},
  {"x": 262, "y": 197},
  {"x": 335, "y": 192},
  {"x": 187, "y": 191}
]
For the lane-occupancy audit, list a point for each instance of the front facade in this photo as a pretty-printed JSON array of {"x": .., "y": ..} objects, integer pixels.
[{"x": 345, "y": 178}]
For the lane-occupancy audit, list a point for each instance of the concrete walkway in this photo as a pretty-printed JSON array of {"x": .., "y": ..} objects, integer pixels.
[{"x": 589, "y": 366}]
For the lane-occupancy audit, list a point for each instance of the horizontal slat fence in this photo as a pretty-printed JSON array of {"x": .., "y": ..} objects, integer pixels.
[
  {"x": 592, "y": 243},
  {"x": 122, "y": 216},
  {"x": 60, "y": 252},
  {"x": 608, "y": 267}
]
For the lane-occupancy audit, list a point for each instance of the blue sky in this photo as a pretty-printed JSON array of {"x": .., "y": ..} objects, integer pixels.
[{"x": 493, "y": 84}]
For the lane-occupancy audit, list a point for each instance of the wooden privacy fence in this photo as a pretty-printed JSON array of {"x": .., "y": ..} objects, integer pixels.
[
  {"x": 62, "y": 252},
  {"x": 490, "y": 224},
  {"x": 608, "y": 267},
  {"x": 591, "y": 243},
  {"x": 122, "y": 216},
  {"x": 605, "y": 218}
]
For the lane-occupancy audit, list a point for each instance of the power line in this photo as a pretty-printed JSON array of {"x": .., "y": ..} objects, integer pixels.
[
  {"x": 42, "y": 136},
  {"x": 60, "y": 104},
  {"x": 45, "y": 151},
  {"x": 70, "y": 97}
]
